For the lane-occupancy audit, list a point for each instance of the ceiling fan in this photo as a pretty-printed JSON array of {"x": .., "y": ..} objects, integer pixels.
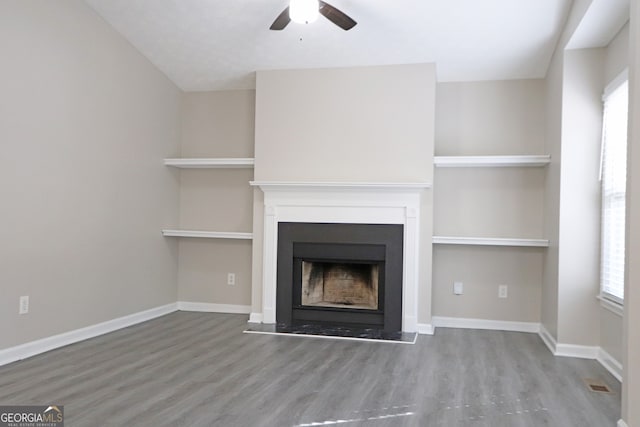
[{"x": 305, "y": 11}]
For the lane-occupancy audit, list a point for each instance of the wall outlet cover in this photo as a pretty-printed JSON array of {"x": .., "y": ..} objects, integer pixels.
[
  {"x": 458, "y": 288},
  {"x": 502, "y": 291},
  {"x": 23, "y": 307}
]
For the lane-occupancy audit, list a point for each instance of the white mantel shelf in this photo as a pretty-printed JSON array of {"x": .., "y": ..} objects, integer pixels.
[
  {"x": 292, "y": 185},
  {"x": 490, "y": 241},
  {"x": 201, "y": 163},
  {"x": 491, "y": 161},
  {"x": 207, "y": 234}
]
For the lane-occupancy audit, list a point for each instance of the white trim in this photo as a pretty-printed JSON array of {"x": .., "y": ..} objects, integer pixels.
[
  {"x": 255, "y": 317},
  {"x": 585, "y": 352},
  {"x": 621, "y": 423},
  {"x": 491, "y": 161},
  {"x": 611, "y": 306},
  {"x": 207, "y": 234},
  {"x": 244, "y": 162},
  {"x": 213, "y": 308},
  {"x": 610, "y": 363},
  {"x": 566, "y": 350},
  {"x": 614, "y": 84},
  {"x": 579, "y": 351},
  {"x": 33, "y": 348},
  {"x": 309, "y": 186},
  {"x": 498, "y": 325},
  {"x": 490, "y": 241},
  {"x": 425, "y": 329},
  {"x": 547, "y": 339}
]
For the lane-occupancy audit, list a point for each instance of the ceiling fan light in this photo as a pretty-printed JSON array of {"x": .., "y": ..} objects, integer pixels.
[{"x": 303, "y": 11}]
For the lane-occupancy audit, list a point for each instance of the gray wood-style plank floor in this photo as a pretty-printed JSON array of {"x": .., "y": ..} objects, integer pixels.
[{"x": 199, "y": 369}]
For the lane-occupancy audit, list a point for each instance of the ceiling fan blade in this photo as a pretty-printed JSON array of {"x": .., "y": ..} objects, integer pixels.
[
  {"x": 281, "y": 21},
  {"x": 336, "y": 16}
]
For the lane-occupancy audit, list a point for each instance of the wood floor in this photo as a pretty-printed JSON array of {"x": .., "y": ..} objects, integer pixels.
[{"x": 199, "y": 369}]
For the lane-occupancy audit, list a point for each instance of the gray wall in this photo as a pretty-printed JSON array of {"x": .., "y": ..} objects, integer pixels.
[
  {"x": 553, "y": 142},
  {"x": 482, "y": 269},
  {"x": 216, "y": 124},
  {"x": 345, "y": 124},
  {"x": 631, "y": 351},
  {"x": 489, "y": 118},
  {"x": 553, "y": 110},
  {"x": 579, "y": 237},
  {"x": 574, "y": 86},
  {"x": 616, "y": 57},
  {"x": 85, "y": 122}
]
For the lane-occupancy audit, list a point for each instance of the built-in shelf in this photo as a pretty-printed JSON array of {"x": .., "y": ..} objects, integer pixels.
[
  {"x": 207, "y": 234},
  {"x": 236, "y": 162},
  {"x": 490, "y": 241},
  {"x": 491, "y": 161}
]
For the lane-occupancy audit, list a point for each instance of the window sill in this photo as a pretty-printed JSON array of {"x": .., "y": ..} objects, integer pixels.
[{"x": 613, "y": 307}]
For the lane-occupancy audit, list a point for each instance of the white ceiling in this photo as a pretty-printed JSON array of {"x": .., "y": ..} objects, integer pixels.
[{"x": 219, "y": 44}]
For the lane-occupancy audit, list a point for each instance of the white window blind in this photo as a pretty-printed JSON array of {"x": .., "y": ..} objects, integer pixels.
[{"x": 614, "y": 182}]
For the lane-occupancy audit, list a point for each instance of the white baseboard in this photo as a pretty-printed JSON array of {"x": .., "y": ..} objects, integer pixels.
[
  {"x": 621, "y": 423},
  {"x": 33, "y": 348},
  {"x": 547, "y": 339},
  {"x": 579, "y": 351},
  {"x": 582, "y": 351},
  {"x": 558, "y": 349},
  {"x": 255, "y": 317},
  {"x": 213, "y": 308},
  {"x": 499, "y": 325},
  {"x": 610, "y": 364},
  {"x": 425, "y": 329},
  {"x": 567, "y": 350}
]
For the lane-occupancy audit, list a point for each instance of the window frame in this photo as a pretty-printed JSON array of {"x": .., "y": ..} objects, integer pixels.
[{"x": 611, "y": 301}]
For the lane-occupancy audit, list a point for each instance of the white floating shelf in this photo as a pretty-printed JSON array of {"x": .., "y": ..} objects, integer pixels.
[
  {"x": 490, "y": 241},
  {"x": 208, "y": 234},
  {"x": 491, "y": 161},
  {"x": 211, "y": 163}
]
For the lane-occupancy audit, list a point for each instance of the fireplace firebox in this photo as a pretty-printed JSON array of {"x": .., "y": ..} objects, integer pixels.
[
  {"x": 340, "y": 275},
  {"x": 339, "y": 284}
]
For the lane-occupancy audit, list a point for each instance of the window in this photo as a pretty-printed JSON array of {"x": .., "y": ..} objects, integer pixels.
[{"x": 613, "y": 176}]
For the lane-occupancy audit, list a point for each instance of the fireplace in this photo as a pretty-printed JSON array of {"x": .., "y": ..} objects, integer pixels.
[
  {"x": 340, "y": 275},
  {"x": 354, "y": 203}
]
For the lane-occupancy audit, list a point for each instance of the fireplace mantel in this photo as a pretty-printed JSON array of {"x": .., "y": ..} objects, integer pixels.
[
  {"x": 343, "y": 202},
  {"x": 381, "y": 186}
]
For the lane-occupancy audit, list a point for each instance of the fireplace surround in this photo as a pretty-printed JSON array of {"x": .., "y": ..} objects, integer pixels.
[
  {"x": 340, "y": 274},
  {"x": 341, "y": 203}
]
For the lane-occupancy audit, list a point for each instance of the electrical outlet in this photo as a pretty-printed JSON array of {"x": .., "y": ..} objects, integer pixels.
[
  {"x": 231, "y": 279},
  {"x": 458, "y": 288},
  {"x": 23, "y": 307},
  {"x": 502, "y": 291}
]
